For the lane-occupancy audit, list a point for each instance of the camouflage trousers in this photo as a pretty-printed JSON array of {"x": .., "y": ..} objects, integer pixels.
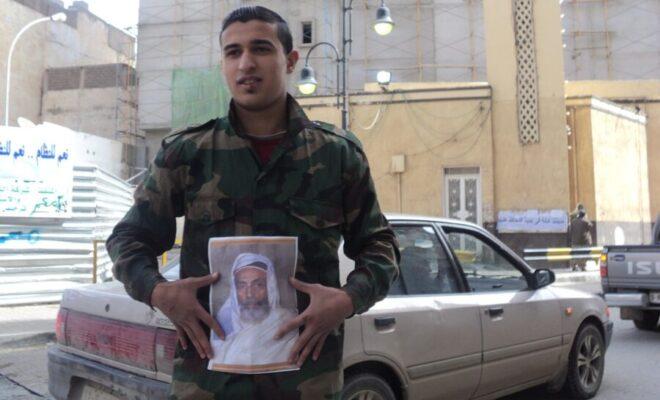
[{"x": 316, "y": 380}]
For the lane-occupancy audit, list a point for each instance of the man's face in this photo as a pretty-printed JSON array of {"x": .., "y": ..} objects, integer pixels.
[
  {"x": 254, "y": 64},
  {"x": 252, "y": 293}
]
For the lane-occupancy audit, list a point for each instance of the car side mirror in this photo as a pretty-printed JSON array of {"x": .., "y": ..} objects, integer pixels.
[{"x": 543, "y": 277}]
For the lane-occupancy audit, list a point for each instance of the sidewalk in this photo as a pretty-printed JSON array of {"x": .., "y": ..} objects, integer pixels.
[
  {"x": 27, "y": 323},
  {"x": 24, "y": 334}
]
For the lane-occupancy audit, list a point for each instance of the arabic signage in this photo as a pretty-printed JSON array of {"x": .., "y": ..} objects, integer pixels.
[
  {"x": 36, "y": 173},
  {"x": 532, "y": 221}
]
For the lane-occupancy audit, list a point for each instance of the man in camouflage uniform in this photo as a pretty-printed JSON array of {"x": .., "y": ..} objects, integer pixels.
[{"x": 264, "y": 170}]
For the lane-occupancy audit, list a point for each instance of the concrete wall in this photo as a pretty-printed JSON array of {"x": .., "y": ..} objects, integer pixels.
[
  {"x": 535, "y": 175},
  {"x": 443, "y": 126},
  {"x": 620, "y": 177},
  {"x": 99, "y": 99},
  {"x": 516, "y": 165},
  {"x": 609, "y": 143},
  {"x": 83, "y": 40},
  {"x": 636, "y": 95}
]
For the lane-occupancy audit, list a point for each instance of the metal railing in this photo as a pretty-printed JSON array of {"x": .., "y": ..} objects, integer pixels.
[{"x": 562, "y": 254}]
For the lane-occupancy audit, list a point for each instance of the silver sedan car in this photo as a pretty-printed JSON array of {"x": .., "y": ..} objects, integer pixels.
[{"x": 467, "y": 319}]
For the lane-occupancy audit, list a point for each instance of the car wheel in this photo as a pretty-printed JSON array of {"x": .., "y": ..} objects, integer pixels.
[
  {"x": 586, "y": 363},
  {"x": 367, "y": 387},
  {"x": 649, "y": 320}
]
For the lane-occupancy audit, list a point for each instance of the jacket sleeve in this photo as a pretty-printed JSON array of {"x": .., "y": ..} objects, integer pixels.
[
  {"x": 368, "y": 237},
  {"x": 148, "y": 229}
]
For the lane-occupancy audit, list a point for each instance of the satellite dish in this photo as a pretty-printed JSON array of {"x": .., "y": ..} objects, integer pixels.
[{"x": 25, "y": 123}]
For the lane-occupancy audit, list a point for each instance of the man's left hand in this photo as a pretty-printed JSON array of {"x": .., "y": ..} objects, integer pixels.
[{"x": 328, "y": 308}]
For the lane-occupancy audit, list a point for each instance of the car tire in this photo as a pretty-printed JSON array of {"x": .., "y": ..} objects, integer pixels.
[
  {"x": 649, "y": 320},
  {"x": 586, "y": 363},
  {"x": 367, "y": 386}
]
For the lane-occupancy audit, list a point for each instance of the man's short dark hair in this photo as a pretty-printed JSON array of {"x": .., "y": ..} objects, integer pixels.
[{"x": 249, "y": 13}]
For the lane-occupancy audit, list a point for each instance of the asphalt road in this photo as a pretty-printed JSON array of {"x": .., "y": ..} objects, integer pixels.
[{"x": 632, "y": 362}]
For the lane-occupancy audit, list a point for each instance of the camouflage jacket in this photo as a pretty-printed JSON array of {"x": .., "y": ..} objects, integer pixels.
[{"x": 316, "y": 186}]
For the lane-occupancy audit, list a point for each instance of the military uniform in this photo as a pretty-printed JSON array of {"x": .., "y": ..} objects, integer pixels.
[{"x": 316, "y": 186}]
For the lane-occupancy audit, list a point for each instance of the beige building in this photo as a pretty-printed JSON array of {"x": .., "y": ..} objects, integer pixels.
[
  {"x": 643, "y": 99},
  {"x": 79, "y": 74},
  {"x": 474, "y": 125},
  {"x": 478, "y": 151}
]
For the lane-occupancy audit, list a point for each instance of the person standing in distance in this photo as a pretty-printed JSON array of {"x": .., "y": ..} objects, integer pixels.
[
  {"x": 264, "y": 170},
  {"x": 580, "y": 234}
]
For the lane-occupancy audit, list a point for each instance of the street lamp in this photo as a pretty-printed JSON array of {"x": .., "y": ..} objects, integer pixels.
[
  {"x": 384, "y": 77},
  {"x": 307, "y": 83},
  {"x": 59, "y": 17},
  {"x": 384, "y": 24}
]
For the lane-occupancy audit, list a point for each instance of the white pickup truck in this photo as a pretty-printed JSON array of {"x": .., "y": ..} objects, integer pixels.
[{"x": 631, "y": 280}]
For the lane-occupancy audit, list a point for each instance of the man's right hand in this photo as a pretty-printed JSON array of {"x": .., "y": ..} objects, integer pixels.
[{"x": 178, "y": 301}]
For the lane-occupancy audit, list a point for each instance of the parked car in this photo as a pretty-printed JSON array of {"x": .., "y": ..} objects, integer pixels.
[
  {"x": 467, "y": 319},
  {"x": 630, "y": 276}
]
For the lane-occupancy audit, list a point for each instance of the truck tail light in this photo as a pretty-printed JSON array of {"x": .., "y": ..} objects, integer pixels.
[
  {"x": 165, "y": 345},
  {"x": 603, "y": 265},
  {"x": 123, "y": 342},
  {"x": 60, "y": 326}
]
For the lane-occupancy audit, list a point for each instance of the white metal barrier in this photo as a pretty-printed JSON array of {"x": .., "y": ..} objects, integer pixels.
[{"x": 38, "y": 260}]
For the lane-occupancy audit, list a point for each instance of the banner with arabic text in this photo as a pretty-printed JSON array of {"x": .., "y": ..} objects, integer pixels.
[{"x": 36, "y": 172}]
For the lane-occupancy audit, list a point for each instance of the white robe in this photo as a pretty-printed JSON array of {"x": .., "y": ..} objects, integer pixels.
[{"x": 254, "y": 344}]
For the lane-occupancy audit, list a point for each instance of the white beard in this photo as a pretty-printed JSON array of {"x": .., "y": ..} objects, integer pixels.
[{"x": 254, "y": 315}]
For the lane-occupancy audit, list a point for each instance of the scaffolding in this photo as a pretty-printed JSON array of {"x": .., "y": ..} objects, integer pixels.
[
  {"x": 611, "y": 40},
  {"x": 177, "y": 35},
  {"x": 434, "y": 40}
]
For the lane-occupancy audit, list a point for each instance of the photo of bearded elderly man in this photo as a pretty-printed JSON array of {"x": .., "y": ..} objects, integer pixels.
[{"x": 253, "y": 303}]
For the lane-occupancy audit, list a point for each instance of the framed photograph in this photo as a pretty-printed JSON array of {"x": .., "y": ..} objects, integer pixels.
[{"x": 250, "y": 301}]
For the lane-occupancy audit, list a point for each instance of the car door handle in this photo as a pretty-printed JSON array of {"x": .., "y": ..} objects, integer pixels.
[
  {"x": 495, "y": 311},
  {"x": 386, "y": 322}
]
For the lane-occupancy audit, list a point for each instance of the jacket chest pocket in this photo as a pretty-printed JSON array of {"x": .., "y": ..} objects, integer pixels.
[
  {"x": 211, "y": 217},
  {"x": 316, "y": 214}
]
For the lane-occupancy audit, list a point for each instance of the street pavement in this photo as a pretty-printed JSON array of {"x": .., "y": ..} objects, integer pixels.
[
  {"x": 632, "y": 361},
  {"x": 24, "y": 334}
]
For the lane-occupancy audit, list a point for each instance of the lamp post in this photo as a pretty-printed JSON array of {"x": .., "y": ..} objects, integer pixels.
[
  {"x": 59, "y": 17},
  {"x": 307, "y": 83}
]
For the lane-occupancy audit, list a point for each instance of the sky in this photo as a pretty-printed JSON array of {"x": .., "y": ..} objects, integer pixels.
[{"x": 120, "y": 13}]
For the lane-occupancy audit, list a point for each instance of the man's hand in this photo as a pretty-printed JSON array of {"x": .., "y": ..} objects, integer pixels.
[
  {"x": 178, "y": 301},
  {"x": 328, "y": 308}
]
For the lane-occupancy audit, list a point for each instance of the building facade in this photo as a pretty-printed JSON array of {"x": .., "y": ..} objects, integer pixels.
[
  {"x": 474, "y": 125},
  {"x": 79, "y": 74}
]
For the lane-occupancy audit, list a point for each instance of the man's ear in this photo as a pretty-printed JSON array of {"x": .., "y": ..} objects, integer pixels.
[{"x": 291, "y": 61}]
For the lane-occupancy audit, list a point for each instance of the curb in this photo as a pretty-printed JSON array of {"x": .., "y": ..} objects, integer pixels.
[{"x": 21, "y": 341}]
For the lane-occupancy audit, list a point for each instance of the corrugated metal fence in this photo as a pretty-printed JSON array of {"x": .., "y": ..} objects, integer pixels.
[{"x": 41, "y": 258}]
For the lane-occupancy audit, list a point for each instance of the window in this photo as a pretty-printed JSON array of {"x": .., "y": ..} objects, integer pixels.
[
  {"x": 307, "y": 36},
  {"x": 425, "y": 267},
  {"x": 485, "y": 268},
  {"x": 463, "y": 194}
]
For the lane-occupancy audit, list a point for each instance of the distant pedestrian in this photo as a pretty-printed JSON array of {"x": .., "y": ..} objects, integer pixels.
[{"x": 580, "y": 234}]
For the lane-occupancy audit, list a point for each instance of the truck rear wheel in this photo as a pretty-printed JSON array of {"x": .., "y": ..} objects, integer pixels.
[{"x": 649, "y": 320}]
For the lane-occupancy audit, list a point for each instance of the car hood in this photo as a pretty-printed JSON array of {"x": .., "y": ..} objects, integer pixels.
[{"x": 110, "y": 300}]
